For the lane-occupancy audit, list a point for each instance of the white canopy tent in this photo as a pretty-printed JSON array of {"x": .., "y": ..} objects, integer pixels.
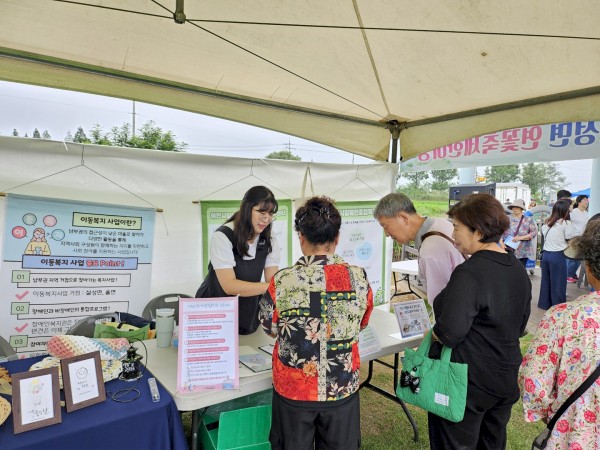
[
  {"x": 174, "y": 183},
  {"x": 342, "y": 73}
]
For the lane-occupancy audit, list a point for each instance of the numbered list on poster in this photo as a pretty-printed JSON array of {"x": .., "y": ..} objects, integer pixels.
[{"x": 208, "y": 344}]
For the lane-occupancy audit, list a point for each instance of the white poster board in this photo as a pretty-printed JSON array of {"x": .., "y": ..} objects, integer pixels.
[
  {"x": 207, "y": 353},
  {"x": 63, "y": 261},
  {"x": 362, "y": 243}
]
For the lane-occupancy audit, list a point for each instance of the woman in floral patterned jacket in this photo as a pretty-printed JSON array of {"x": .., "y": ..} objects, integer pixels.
[
  {"x": 315, "y": 310},
  {"x": 522, "y": 230},
  {"x": 565, "y": 350}
]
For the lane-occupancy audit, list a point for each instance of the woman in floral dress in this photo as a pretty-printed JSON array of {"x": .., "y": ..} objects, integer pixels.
[
  {"x": 522, "y": 230},
  {"x": 315, "y": 310},
  {"x": 565, "y": 350}
]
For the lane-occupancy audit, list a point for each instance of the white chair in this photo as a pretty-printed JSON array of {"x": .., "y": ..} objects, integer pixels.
[
  {"x": 163, "y": 301},
  {"x": 85, "y": 327}
]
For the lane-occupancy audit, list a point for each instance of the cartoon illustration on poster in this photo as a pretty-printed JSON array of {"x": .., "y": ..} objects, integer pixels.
[
  {"x": 63, "y": 261},
  {"x": 216, "y": 212},
  {"x": 362, "y": 243}
]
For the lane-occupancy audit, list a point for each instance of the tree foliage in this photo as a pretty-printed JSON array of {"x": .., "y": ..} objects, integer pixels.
[
  {"x": 152, "y": 137},
  {"x": 543, "y": 178},
  {"x": 15, "y": 132},
  {"x": 36, "y": 134},
  {"x": 80, "y": 137},
  {"x": 283, "y": 154},
  {"x": 416, "y": 180},
  {"x": 149, "y": 136},
  {"x": 98, "y": 136},
  {"x": 442, "y": 178},
  {"x": 503, "y": 174}
]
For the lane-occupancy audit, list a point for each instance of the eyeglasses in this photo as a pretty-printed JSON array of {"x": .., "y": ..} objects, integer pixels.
[{"x": 264, "y": 215}]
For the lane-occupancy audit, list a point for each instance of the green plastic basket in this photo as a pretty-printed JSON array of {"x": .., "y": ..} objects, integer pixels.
[{"x": 246, "y": 428}]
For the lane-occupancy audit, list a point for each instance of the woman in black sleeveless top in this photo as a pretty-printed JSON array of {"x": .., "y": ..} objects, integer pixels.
[{"x": 241, "y": 251}]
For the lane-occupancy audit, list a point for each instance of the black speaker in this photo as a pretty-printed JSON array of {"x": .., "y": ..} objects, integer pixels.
[{"x": 460, "y": 191}]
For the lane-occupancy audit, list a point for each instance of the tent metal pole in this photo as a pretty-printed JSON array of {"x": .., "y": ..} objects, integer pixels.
[
  {"x": 394, "y": 128},
  {"x": 594, "y": 207},
  {"x": 179, "y": 14}
]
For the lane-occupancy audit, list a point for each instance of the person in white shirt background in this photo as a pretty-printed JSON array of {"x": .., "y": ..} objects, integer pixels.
[
  {"x": 557, "y": 230},
  {"x": 579, "y": 217}
]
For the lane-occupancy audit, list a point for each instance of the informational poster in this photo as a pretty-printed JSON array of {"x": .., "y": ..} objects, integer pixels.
[
  {"x": 362, "y": 243},
  {"x": 216, "y": 212},
  {"x": 63, "y": 261},
  {"x": 368, "y": 342},
  {"x": 413, "y": 319},
  {"x": 207, "y": 354}
]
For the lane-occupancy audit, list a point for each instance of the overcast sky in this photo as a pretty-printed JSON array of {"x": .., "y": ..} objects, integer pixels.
[{"x": 26, "y": 107}]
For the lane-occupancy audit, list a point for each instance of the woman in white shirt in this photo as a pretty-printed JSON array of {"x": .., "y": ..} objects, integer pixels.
[
  {"x": 241, "y": 251},
  {"x": 556, "y": 232}
]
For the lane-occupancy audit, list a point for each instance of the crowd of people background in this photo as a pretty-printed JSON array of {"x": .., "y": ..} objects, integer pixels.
[{"x": 472, "y": 268}]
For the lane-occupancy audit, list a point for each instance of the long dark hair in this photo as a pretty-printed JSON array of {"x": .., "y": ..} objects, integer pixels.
[
  {"x": 560, "y": 210},
  {"x": 262, "y": 197}
]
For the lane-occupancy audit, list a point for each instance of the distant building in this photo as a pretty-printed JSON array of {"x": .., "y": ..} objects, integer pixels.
[
  {"x": 513, "y": 191},
  {"x": 502, "y": 191}
]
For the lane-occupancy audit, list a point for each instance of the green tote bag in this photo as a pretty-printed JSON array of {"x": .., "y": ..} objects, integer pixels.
[{"x": 436, "y": 385}]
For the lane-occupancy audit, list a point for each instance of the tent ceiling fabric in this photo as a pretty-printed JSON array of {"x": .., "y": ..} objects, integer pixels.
[{"x": 334, "y": 72}]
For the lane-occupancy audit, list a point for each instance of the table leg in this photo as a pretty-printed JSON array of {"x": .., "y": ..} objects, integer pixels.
[
  {"x": 410, "y": 289},
  {"x": 196, "y": 417},
  {"x": 195, "y": 425},
  {"x": 367, "y": 383}
]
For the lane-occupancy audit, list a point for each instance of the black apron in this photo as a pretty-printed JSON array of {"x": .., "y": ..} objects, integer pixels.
[{"x": 246, "y": 270}]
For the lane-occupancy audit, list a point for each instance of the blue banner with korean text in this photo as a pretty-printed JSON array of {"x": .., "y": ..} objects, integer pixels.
[{"x": 539, "y": 143}]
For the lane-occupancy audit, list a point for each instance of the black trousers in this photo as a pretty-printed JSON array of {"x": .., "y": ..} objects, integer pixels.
[
  {"x": 482, "y": 428},
  {"x": 297, "y": 425}
]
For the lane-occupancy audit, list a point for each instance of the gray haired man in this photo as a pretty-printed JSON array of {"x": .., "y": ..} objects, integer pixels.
[{"x": 432, "y": 238}]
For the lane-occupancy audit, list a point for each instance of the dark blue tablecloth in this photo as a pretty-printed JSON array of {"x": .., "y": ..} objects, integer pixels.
[{"x": 140, "y": 424}]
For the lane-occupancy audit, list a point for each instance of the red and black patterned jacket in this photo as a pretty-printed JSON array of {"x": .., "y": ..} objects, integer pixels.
[{"x": 315, "y": 310}]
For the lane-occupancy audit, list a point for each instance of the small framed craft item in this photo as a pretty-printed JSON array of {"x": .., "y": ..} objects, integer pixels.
[
  {"x": 36, "y": 399},
  {"x": 82, "y": 381}
]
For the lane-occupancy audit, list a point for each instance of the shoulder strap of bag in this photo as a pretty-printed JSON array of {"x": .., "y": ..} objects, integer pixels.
[
  {"x": 438, "y": 233},
  {"x": 519, "y": 226},
  {"x": 545, "y": 236},
  {"x": 574, "y": 396}
]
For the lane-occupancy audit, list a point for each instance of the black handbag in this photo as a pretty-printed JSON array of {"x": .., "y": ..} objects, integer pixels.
[{"x": 541, "y": 440}]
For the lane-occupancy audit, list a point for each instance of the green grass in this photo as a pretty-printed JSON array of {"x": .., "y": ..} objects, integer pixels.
[
  {"x": 384, "y": 425},
  {"x": 431, "y": 208}
]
